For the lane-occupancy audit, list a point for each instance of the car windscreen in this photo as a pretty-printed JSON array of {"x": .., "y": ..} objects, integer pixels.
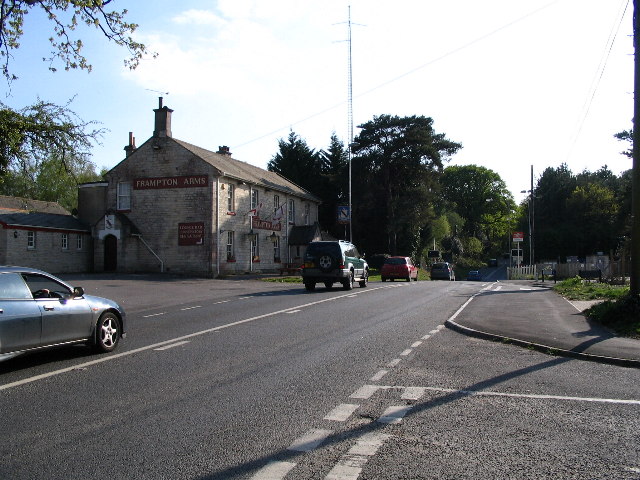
[
  {"x": 395, "y": 261},
  {"x": 439, "y": 266}
]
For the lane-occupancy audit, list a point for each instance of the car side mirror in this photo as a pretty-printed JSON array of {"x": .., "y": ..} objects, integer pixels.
[{"x": 78, "y": 291}]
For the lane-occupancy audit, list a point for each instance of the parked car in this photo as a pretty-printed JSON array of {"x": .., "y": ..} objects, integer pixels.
[
  {"x": 400, "y": 268},
  {"x": 332, "y": 262},
  {"x": 474, "y": 275},
  {"x": 442, "y": 271},
  {"x": 38, "y": 310}
]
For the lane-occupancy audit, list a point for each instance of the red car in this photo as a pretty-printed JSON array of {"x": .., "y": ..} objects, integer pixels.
[{"x": 399, "y": 267}]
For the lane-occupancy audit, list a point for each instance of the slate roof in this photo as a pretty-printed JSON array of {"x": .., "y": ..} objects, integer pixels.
[
  {"x": 239, "y": 170},
  {"x": 25, "y": 205},
  {"x": 49, "y": 221},
  {"x": 303, "y": 234}
]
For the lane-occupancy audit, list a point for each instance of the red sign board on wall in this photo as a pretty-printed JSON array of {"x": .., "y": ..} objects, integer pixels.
[
  {"x": 518, "y": 236},
  {"x": 191, "y": 233}
]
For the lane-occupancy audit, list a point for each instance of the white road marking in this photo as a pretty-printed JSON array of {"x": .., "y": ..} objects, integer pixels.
[
  {"x": 406, "y": 352},
  {"x": 341, "y": 412},
  {"x": 191, "y": 308},
  {"x": 350, "y": 465},
  {"x": 153, "y": 346},
  {"x": 433, "y": 332},
  {"x": 167, "y": 347},
  {"x": 426, "y": 337},
  {"x": 379, "y": 375},
  {"x": 440, "y": 327},
  {"x": 347, "y": 468},
  {"x": 413, "y": 393},
  {"x": 153, "y": 315},
  {"x": 416, "y": 344},
  {"x": 369, "y": 444},
  {"x": 481, "y": 393},
  {"x": 394, "y": 414},
  {"x": 365, "y": 391},
  {"x": 310, "y": 440},
  {"x": 292, "y": 311},
  {"x": 274, "y": 471},
  {"x": 394, "y": 362}
]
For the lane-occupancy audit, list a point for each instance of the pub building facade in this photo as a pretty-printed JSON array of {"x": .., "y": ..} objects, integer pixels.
[{"x": 173, "y": 207}]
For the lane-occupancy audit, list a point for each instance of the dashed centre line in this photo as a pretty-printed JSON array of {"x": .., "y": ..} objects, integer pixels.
[
  {"x": 310, "y": 440},
  {"x": 341, "y": 412}
]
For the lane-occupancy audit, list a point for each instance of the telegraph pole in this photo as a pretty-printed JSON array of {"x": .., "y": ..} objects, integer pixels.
[
  {"x": 350, "y": 120},
  {"x": 635, "y": 202}
]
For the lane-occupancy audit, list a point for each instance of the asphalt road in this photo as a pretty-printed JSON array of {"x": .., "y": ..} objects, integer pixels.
[{"x": 247, "y": 379}]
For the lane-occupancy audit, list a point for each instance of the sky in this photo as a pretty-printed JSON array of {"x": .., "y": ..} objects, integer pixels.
[{"x": 520, "y": 84}]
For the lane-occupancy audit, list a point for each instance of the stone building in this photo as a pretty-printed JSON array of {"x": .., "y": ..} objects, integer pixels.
[
  {"x": 171, "y": 206},
  {"x": 43, "y": 235}
]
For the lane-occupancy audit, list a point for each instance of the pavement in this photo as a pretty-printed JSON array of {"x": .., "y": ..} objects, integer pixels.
[{"x": 541, "y": 319}]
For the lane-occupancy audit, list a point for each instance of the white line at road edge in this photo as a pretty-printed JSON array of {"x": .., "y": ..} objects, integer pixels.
[{"x": 173, "y": 340}]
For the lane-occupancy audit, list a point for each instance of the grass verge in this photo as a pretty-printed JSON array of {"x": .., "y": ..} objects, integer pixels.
[{"x": 619, "y": 310}]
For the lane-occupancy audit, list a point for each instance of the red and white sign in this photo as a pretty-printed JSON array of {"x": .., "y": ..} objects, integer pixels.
[
  {"x": 191, "y": 233},
  {"x": 518, "y": 236}
]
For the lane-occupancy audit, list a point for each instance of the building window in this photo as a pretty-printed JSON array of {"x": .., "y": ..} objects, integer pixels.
[
  {"x": 255, "y": 249},
  {"x": 254, "y": 199},
  {"x": 124, "y": 196},
  {"x": 231, "y": 200},
  {"x": 276, "y": 250},
  {"x": 31, "y": 240},
  {"x": 291, "y": 214},
  {"x": 307, "y": 213},
  {"x": 276, "y": 203},
  {"x": 231, "y": 257},
  {"x": 79, "y": 242},
  {"x": 65, "y": 241}
]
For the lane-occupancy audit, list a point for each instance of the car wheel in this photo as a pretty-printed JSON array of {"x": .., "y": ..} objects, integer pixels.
[
  {"x": 310, "y": 286},
  {"x": 408, "y": 279},
  {"x": 365, "y": 279},
  {"x": 348, "y": 282},
  {"x": 326, "y": 263},
  {"x": 329, "y": 285},
  {"x": 107, "y": 332},
  {"x": 384, "y": 279}
]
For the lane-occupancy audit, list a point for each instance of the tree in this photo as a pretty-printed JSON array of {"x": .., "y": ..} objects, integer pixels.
[
  {"x": 52, "y": 181},
  {"x": 66, "y": 16},
  {"x": 481, "y": 197},
  {"x": 394, "y": 175},
  {"x": 594, "y": 211},
  {"x": 298, "y": 163},
  {"x": 41, "y": 132},
  {"x": 626, "y": 136},
  {"x": 334, "y": 165}
]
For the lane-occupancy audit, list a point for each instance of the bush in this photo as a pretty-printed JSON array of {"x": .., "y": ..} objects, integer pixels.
[{"x": 621, "y": 315}]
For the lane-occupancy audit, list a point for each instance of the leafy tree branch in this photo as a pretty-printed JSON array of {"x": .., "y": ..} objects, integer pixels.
[{"x": 67, "y": 47}]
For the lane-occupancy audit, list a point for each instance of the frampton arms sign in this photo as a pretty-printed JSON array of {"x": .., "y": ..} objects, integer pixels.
[{"x": 187, "y": 181}]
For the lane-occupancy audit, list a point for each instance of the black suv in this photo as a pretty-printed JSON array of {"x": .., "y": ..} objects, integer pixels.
[{"x": 334, "y": 261}]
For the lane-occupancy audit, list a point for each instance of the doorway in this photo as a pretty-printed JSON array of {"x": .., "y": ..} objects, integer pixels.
[{"x": 110, "y": 253}]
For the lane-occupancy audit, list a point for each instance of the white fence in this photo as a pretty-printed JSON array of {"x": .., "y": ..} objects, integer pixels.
[{"x": 522, "y": 273}]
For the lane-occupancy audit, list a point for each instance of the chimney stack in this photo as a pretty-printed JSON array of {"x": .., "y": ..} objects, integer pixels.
[
  {"x": 163, "y": 121},
  {"x": 129, "y": 149},
  {"x": 224, "y": 150}
]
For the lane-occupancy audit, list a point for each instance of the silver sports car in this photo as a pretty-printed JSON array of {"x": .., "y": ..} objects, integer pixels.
[{"x": 38, "y": 310}]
